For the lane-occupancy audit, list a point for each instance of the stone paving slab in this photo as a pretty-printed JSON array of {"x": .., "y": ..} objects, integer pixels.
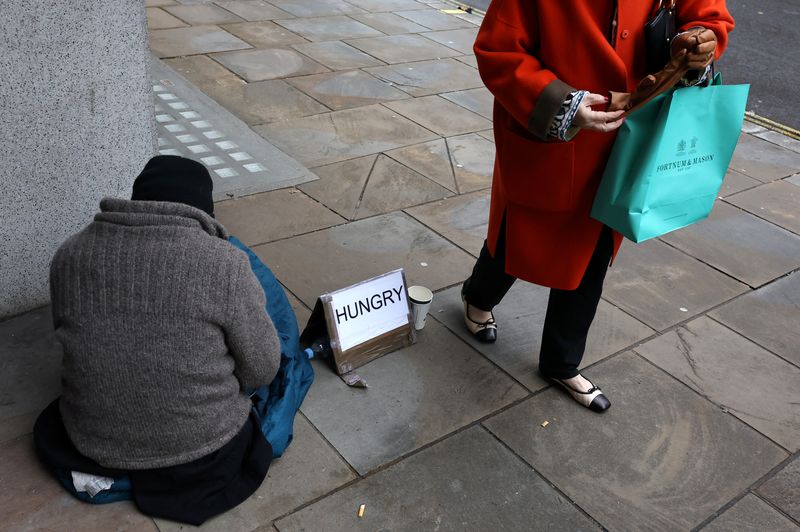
[
  {"x": 424, "y": 78},
  {"x": 30, "y": 499},
  {"x": 379, "y": 6},
  {"x": 309, "y": 469},
  {"x": 735, "y": 182},
  {"x": 776, "y": 202},
  {"x": 472, "y": 157},
  {"x": 254, "y": 103},
  {"x": 520, "y": 318},
  {"x": 371, "y": 185},
  {"x": 739, "y": 244},
  {"x": 158, "y": 19},
  {"x": 345, "y": 90},
  {"x": 340, "y": 135},
  {"x": 194, "y": 40},
  {"x": 469, "y": 60},
  {"x": 30, "y": 371},
  {"x": 402, "y": 48},
  {"x": 435, "y": 19},
  {"x": 340, "y": 256},
  {"x": 331, "y": 28},
  {"x": 768, "y": 316},
  {"x": 193, "y": 125},
  {"x": 479, "y": 101},
  {"x": 752, "y": 384},
  {"x": 764, "y": 160},
  {"x": 264, "y": 34},
  {"x": 783, "y": 490},
  {"x": 795, "y": 180},
  {"x": 781, "y": 140},
  {"x": 653, "y": 282},
  {"x": 389, "y": 23},
  {"x": 316, "y": 8},
  {"x": 416, "y": 396},
  {"x": 254, "y": 10},
  {"x": 461, "y": 40},
  {"x": 751, "y": 514},
  {"x": 431, "y": 159},
  {"x": 660, "y": 459},
  {"x": 197, "y": 15},
  {"x": 271, "y": 63},
  {"x": 463, "y": 220},
  {"x": 439, "y": 115},
  {"x": 284, "y": 213},
  {"x": 433, "y": 490},
  {"x": 337, "y": 55}
]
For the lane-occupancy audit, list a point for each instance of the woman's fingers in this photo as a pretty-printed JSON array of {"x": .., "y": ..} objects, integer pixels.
[{"x": 594, "y": 99}]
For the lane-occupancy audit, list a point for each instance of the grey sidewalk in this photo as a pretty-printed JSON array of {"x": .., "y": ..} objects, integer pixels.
[{"x": 696, "y": 342}]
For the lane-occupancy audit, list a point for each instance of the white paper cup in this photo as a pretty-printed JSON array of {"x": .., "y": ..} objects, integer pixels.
[{"x": 420, "y": 298}]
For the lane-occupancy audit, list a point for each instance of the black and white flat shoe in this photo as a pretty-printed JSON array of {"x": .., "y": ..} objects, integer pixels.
[
  {"x": 483, "y": 331},
  {"x": 593, "y": 399}
]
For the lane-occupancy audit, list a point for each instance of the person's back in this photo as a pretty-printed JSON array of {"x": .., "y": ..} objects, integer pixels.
[{"x": 146, "y": 301}]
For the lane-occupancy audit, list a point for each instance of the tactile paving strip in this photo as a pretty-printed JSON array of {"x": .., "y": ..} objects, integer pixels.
[{"x": 191, "y": 124}]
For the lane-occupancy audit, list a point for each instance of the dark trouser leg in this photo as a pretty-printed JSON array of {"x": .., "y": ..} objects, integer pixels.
[
  {"x": 489, "y": 281},
  {"x": 570, "y": 314}
]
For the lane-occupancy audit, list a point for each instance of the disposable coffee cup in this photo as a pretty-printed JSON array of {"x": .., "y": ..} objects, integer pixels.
[{"x": 420, "y": 298}]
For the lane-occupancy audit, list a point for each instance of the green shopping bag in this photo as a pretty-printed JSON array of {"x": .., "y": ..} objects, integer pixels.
[{"x": 669, "y": 159}]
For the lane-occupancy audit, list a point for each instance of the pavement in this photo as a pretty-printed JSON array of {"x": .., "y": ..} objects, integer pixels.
[{"x": 696, "y": 341}]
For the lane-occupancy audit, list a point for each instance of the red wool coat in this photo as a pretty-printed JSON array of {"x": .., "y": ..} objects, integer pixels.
[{"x": 531, "y": 54}]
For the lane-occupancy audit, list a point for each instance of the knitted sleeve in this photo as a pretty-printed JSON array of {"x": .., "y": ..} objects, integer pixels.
[{"x": 250, "y": 334}]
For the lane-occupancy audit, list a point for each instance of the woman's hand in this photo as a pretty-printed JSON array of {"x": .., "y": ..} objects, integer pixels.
[
  {"x": 588, "y": 118},
  {"x": 699, "y": 44}
]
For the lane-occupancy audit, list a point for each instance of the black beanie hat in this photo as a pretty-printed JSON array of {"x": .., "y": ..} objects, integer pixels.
[{"x": 176, "y": 179}]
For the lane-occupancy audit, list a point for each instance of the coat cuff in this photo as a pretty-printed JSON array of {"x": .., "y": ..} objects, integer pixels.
[{"x": 548, "y": 105}]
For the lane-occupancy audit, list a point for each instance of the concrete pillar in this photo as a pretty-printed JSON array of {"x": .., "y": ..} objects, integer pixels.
[{"x": 76, "y": 124}]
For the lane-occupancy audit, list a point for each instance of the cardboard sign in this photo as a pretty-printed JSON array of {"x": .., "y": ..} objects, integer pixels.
[{"x": 364, "y": 320}]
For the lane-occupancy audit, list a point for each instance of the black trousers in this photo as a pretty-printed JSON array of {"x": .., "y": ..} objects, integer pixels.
[{"x": 569, "y": 312}]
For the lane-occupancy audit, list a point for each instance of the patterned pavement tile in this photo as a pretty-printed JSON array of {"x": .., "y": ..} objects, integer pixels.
[
  {"x": 337, "y": 55},
  {"x": 778, "y": 202},
  {"x": 158, "y": 19},
  {"x": 446, "y": 488},
  {"x": 661, "y": 286},
  {"x": 749, "y": 382},
  {"x": 750, "y": 514},
  {"x": 735, "y": 182},
  {"x": 340, "y": 185},
  {"x": 783, "y": 490},
  {"x": 416, "y": 395},
  {"x": 739, "y": 244},
  {"x": 439, "y": 115},
  {"x": 461, "y": 40},
  {"x": 472, "y": 157},
  {"x": 272, "y": 63},
  {"x": 520, "y": 317},
  {"x": 264, "y": 34},
  {"x": 329, "y": 28},
  {"x": 768, "y": 316},
  {"x": 462, "y": 219},
  {"x": 435, "y": 19},
  {"x": 197, "y": 15},
  {"x": 195, "y": 40},
  {"x": 389, "y": 23},
  {"x": 660, "y": 458},
  {"x": 344, "y": 90},
  {"x": 361, "y": 250},
  {"x": 478, "y": 100},
  {"x": 763, "y": 160},
  {"x": 332, "y": 137},
  {"x": 425, "y": 78},
  {"x": 253, "y": 10},
  {"x": 269, "y": 216},
  {"x": 431, "y": 159},
  {"x": 402, "y": 48}
]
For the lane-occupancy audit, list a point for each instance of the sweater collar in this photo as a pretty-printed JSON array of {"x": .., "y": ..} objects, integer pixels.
[{"x": 149, "y": 213}]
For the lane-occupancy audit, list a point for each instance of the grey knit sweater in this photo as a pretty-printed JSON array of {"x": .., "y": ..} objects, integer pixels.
[{"x": 164, "y": 328}]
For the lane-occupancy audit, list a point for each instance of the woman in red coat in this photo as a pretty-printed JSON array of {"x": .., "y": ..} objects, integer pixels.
[{"x": 550, "y": 65}]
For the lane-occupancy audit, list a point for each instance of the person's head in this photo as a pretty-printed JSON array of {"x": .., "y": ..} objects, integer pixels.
[{"x": 176, "y": 179}]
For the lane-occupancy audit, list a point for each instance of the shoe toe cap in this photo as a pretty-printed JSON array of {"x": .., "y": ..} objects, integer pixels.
[
  {"x": 600, "y": 403},
  {"x": 487, "y": 335}
]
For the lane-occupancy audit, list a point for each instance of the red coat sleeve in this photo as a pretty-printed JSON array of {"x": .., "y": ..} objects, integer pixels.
[
  {"x": 504, "y": 49},
  {"x": 711, "y": 14}
]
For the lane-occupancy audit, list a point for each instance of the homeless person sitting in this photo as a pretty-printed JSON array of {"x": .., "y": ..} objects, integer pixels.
[{"x": 165, "y": 332}]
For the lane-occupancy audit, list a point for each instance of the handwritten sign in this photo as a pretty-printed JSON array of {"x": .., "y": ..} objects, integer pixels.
[{"x": 363, "y": 321}]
